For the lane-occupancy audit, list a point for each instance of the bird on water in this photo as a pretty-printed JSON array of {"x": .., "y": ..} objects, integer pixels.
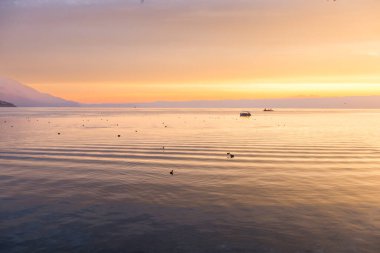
[{"x": 229, "y": 155}]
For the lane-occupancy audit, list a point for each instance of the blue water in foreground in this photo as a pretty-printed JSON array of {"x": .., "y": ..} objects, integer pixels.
[{"x": 301, "y": 180}]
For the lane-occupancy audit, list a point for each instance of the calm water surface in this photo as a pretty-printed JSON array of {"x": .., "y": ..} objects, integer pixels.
[{"x": 301, "y": 181}]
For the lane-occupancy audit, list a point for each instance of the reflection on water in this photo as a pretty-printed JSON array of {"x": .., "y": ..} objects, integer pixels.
[{"x": 301, "y": 181}]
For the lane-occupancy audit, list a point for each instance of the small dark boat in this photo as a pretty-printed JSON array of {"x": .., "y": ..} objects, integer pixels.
[
  {"x": 268, "y": 110},
  {"x": 245, "y": 114}
]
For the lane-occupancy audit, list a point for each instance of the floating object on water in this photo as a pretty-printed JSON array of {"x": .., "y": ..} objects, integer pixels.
[
  {"x": 268, "y": 110},
  {"x": 229, "y": 155},
  {"x": 119, "y": 135},
  {"x": 172, "y": 172},
  {"x": 59, "y": 133},
  {"x": 245, "y": 114}
]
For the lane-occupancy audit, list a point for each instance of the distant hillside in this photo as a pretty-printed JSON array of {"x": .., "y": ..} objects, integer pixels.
[
  {"x": 6, "y": 104},
  {"x": 22, "y": 95}
]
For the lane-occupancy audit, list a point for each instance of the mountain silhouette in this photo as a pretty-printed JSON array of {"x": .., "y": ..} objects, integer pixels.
[{"x": 22, "y": 95}]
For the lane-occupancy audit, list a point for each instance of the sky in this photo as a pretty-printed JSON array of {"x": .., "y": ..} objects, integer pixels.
[{"x": 101, "y": 51}]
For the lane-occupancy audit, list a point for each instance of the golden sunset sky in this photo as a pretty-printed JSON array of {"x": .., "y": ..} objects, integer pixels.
[{"x": 124, "y": 51}]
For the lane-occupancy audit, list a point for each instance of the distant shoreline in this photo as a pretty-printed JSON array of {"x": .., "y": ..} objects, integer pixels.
[{"x": 6, "y": 104}]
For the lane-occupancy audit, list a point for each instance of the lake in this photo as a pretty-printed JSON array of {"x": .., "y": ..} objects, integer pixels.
[{"x": 98, "y": 180}]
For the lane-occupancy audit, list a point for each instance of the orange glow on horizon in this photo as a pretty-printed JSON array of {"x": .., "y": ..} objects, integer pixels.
[{"x": 119, "y": 93}]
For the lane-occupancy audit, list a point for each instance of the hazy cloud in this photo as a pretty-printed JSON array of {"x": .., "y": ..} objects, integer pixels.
[
  {"x": 374, "y": 53},
  {"x": 59, "y": 2}
]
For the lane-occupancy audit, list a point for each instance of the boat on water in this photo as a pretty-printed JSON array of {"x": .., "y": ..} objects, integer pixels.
[
  {"x": 245, "y": 114},
  {"x": 268, "y": 110}
]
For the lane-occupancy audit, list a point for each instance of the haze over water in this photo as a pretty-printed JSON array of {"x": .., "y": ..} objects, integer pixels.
[{"x": 301, "y": 180}]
